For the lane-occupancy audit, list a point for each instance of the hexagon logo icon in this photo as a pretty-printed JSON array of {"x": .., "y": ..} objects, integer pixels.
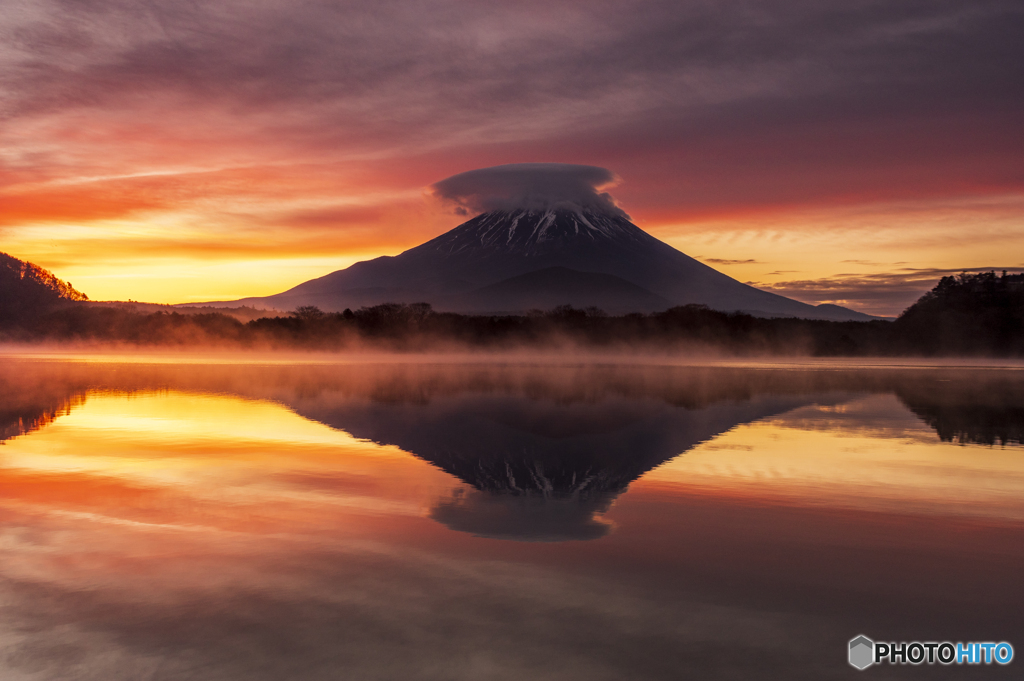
[{"x": 862, "y": 652}]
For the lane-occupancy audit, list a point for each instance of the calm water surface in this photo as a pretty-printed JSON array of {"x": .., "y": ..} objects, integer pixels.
[{"x": 403, "y": 521}]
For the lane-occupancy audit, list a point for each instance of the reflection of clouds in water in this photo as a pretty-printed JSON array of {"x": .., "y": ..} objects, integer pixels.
[
  {"x": 523, "y": 518},
  {"x": 296, "y": 584},
  {"x": 877, "y": 416},
  {"x": 867, "y": 453},
  {"x": 375, "y": 613}
]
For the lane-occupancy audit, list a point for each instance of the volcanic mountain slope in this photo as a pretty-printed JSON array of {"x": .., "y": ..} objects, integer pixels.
[
  {"x": 515, "y": 260},
  {"x": 545, "y": 234}
]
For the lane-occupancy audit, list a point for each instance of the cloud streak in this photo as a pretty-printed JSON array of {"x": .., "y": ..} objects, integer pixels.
[
  {"x": 707, "y": 109},
  {"x": 726, "y": 261},
  {"x": 374, "y": 77},
  {"x": 884, "y": 293}
]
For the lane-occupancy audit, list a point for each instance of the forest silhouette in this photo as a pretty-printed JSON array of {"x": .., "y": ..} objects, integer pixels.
[{"x": 968, "y": 314}]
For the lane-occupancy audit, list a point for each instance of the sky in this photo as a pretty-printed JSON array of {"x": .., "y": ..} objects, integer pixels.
[{"x": 172, "y": 151}]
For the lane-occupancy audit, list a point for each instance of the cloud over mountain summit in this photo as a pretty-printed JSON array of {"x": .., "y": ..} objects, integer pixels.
[{"x": 536, "y": 186}]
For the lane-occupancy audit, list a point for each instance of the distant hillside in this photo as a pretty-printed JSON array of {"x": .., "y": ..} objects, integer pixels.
[
  {"x": 26, "y": 288},
  {"x": 967, "y": 314}
]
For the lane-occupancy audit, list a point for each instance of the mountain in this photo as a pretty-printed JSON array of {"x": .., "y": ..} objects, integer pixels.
[
  {"x": 515, "y": 260},
  {"x": 26, "y": 288},
  {"x": 553, "y": 286},
  {"x": 543, "y": 450}
]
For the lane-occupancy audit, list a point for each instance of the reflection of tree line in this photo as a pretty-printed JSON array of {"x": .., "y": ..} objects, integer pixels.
[
  {"x": 15, "y": 422},
  {"x": 989, "y": 414},
  {"x": 973, "y": 406},
  {"x": 29, "y": 405},
  {"x": 543, "y": 449}
]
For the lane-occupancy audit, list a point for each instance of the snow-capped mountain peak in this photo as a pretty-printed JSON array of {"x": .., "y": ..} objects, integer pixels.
[{"x": 536, "y": 231}]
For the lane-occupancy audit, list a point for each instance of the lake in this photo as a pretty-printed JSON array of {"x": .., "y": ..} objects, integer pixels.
[{"x": 195, "y": 519}]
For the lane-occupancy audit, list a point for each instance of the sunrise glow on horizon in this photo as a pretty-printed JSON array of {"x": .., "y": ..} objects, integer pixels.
[{"x": 180, "y": 153}]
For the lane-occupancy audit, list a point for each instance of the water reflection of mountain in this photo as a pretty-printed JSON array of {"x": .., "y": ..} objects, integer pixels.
[
  {"x": 541, "y": 468},
  {"x": 543, "y": 449}
]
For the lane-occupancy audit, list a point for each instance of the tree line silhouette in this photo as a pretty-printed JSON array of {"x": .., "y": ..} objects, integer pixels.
[{"x": 968, "y": 314}]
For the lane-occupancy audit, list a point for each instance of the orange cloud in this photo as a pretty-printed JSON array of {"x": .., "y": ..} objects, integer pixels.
[{"x": 312, "y": 132}]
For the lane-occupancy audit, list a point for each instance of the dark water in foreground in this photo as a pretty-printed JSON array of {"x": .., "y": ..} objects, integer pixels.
[{"x": 170, "y": 521}]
